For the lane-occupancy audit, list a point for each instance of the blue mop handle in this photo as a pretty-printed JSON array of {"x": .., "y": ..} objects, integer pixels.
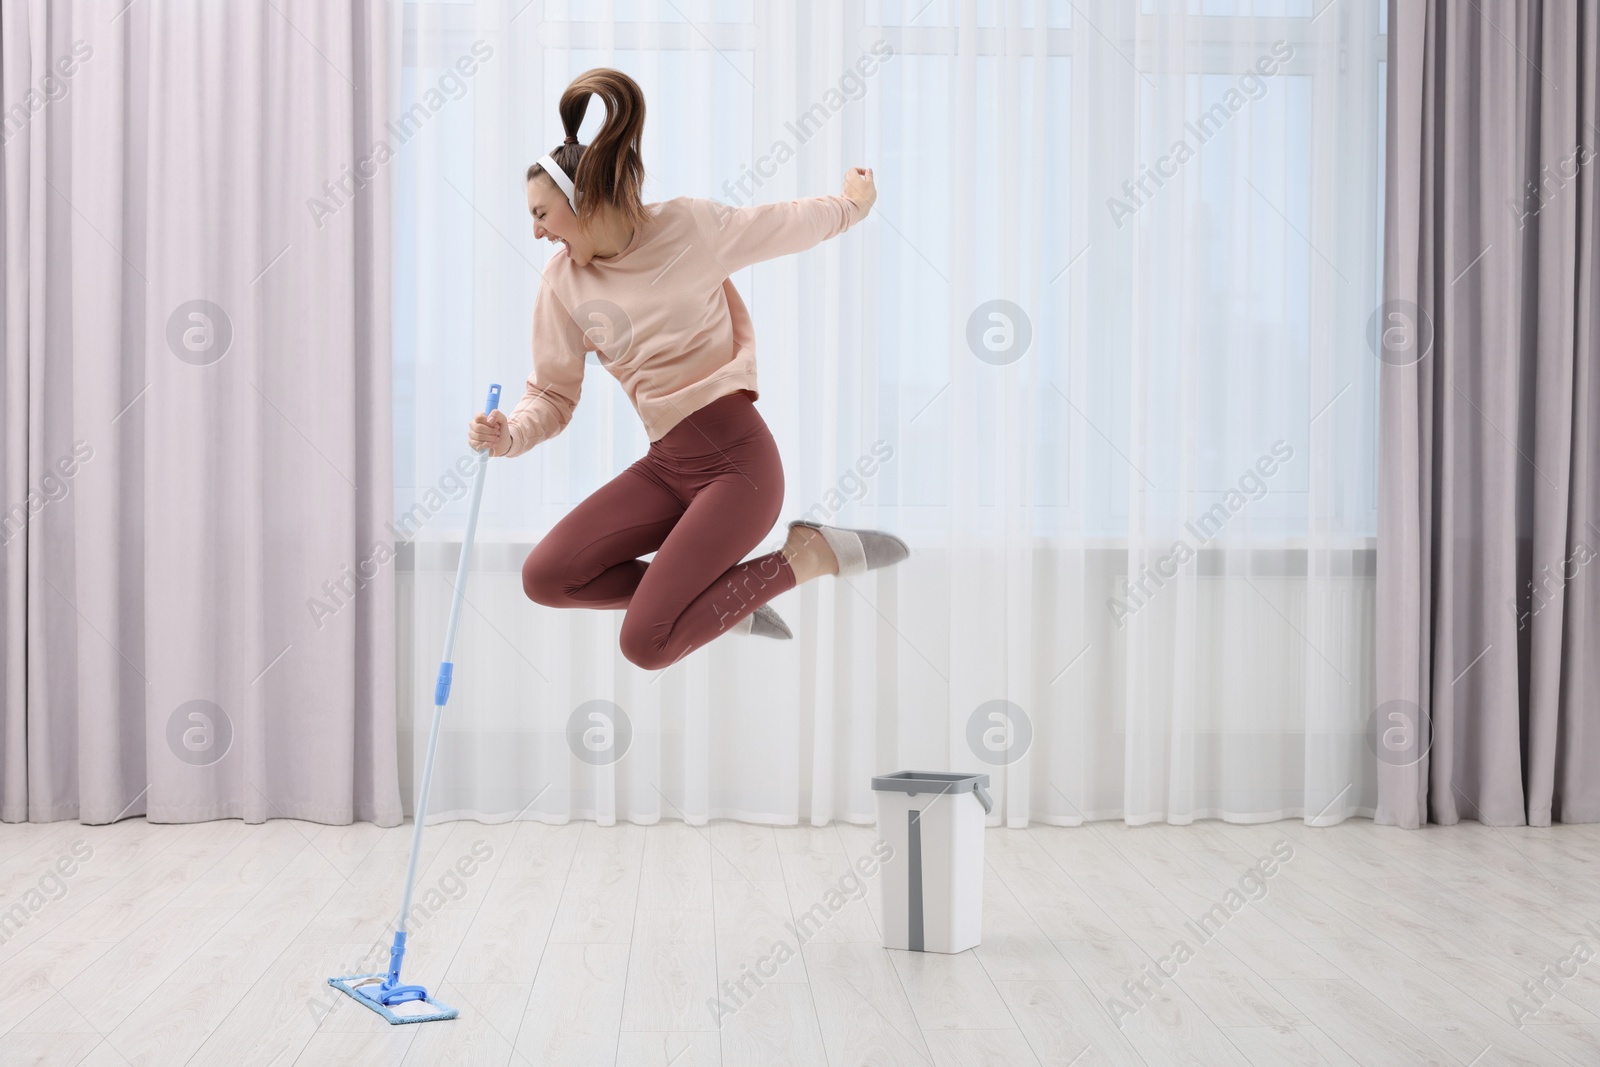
[
  {"x": 441, "y": 689},
  {"x": 441, "y": 694}
]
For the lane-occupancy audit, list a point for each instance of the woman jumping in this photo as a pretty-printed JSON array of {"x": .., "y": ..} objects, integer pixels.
[{"x": 647, "y": 287}]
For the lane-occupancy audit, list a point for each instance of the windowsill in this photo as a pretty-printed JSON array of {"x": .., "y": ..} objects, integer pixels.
[{"x": 1349, "y": 557}]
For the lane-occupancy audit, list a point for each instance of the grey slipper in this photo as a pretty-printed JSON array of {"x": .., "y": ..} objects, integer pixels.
[
  {"x": 763, "y": 622},
  {"x": 859, "y": 551}
]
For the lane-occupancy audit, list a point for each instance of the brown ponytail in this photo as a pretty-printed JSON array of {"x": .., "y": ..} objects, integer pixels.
[{"x": 611, "y": 170}]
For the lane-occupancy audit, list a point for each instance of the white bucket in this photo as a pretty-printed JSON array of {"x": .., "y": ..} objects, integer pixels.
[{"x": 930, "y": 890}]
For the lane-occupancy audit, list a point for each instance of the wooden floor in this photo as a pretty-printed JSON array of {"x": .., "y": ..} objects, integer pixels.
[{"x": 210, "y": 943}]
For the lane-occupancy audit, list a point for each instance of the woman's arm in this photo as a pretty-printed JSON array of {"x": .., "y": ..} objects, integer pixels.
[
  {"x": 740, "y": 236},
  {"x": 556, "y": 383}
]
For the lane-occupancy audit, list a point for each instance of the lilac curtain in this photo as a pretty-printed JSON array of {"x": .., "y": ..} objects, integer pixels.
[
  {"x": 195, "y": 413},
  {"x": 1488, "y": 643}
]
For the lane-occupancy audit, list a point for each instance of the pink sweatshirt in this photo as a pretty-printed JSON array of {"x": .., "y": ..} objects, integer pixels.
[{"x": 662, "y": 314}]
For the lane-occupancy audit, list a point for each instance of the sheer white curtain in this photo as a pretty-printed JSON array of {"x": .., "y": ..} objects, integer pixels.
[{"x": 1116, "y": 393}]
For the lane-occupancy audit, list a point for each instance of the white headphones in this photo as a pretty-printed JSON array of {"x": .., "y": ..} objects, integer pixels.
[{"x": 559, "y": 176}]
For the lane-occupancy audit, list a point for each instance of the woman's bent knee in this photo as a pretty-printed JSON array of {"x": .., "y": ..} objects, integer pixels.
[
  {"x": 641, "y": 650},
  {"x": 543, "y": 583}
]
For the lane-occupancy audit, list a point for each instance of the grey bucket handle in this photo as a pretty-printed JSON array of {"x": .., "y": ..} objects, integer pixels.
[{"x": 938, "y": 782}]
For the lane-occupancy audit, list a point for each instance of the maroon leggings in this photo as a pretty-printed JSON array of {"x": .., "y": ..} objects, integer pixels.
[{"x": 705, "y": 494}]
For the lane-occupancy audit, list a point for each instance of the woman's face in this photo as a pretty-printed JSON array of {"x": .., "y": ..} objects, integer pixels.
[{"x": 553, "y": 219}]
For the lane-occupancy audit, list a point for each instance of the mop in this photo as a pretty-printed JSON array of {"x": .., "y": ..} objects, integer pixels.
[{"x": 383, "y": 993}]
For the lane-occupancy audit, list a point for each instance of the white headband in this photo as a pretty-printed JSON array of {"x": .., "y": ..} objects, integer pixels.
[{"x": 559, "y": 176}]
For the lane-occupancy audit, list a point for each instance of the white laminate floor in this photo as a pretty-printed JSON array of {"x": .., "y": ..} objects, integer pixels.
[{"x": 210, "y": 943}]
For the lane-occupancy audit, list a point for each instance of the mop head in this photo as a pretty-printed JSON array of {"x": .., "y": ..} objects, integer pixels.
[{"x": 408, "y": 1004}]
